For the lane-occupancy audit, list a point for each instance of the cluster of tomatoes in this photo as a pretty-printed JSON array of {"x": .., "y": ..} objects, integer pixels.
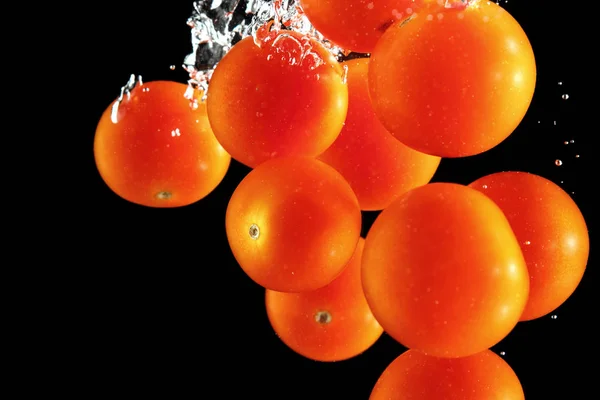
[{"x": 447, "y": 270}]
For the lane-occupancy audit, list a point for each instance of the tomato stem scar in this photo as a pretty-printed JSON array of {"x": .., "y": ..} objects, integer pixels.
[
  {"x": 323, "y": 317},
  {"x": 163, "y": 195},
  {"x": 254, "y": 231}
]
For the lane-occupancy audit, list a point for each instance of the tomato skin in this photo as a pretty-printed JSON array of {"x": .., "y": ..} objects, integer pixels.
[
  {"x": 261, "y": 107},
  {"x": 443, "y": 272},
  {"x": 552, "y": 233},
  {"x": 161, "y": 152},
  {"x": 378, "y": 167},
  {"x": 347, "y": 328},
  {"x": 356, "y": 24},
  {"x": 453, "y": 82},
  {"x": 308, "y": 222},
  {"x": 416, "y": 376}
]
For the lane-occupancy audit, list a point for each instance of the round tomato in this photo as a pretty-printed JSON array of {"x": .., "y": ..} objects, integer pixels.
[
  {"x": 552, "y": 233},
  {"x": 453, "y": 82},
  {"x": 286, "y": 97},
  {"x": 333, "y": 323},
  {"x": 356, "y": 24},
  {"x": 293, "y": 224},
  {"x": 416, "y": 376},
  {"x": 152, "y": 148},
  {"x": 378, "y": 167},
  {"x": 443, "y": 272}
]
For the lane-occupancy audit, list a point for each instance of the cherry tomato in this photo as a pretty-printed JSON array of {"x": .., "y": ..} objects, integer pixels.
[
  {"x": 158, "y": 151},
  {"x": 453, "y": 82},
  {"x": 552, "y": 233},
  {"x": 356, "y": 24},
  {"x": 287, "y": 97},
  {"x": 443, "y": 271},
  {"x": 378, "y": 167},
  {"x": 333, "y": 323},
  {"x": 293, "y": 224},
  {"x": 416, "y": 376}
]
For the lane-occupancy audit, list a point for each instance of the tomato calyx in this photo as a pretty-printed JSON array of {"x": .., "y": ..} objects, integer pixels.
[{"x": 323, "y": 317}]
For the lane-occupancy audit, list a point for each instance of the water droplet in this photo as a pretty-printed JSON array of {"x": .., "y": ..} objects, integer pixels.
[
  {"x": 254, "y": 231},
  {"x": 502, "y": 353},
  {"x": 558, "y": 163},
  {"x": 571, "y": 141},
  {"x": 484, "y": 186},
  {"x": 576, "y": 155},
  {"x": 554, "y": 316},
  {"x": 527, "y": 243},
  {"x": 175, "y": 132},
  {"x": 560, "y": 83},
  {"x": 370, "y": 6},
  {"x": 323, "y": 317},
  {"x": 554, "y": 123},
  {"x": 565, "y": 96},
  {"x": 566, "y": 142},
  {"x": 172, "y": 68}
]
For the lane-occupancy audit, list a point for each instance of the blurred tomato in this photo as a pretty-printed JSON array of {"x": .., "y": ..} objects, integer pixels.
[
  {"x": 416, "y": 376},
  {"x": 378, "y": 167},
  {"x": 552, "y": 233}
]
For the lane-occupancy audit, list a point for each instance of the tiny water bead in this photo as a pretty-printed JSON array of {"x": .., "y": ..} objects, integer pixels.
[
  {"x": 254, "y": 231},
  {"x": 323, "y": 317},
  {"x": 565, "y": 96},
  {"x": 558, "y": 163},
  {"x": 554, "y": 316}
]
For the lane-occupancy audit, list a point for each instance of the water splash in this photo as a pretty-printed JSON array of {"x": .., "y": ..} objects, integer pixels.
[
  {"x": 217, "y": 25},
  {"x": 125, "y": 93}
]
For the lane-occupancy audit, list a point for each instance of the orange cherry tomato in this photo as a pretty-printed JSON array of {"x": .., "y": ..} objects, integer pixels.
[
  {"x": 160, "y": 152},
  {"x": 552, "y": 233},
  {"x": 356, "y": 24},
  {"x": 378, "y": 167},
  {"x": 333, "y": 323},
  {"x": 416, "y": 376},
  {"x": 453, "y": 82},
  {"x": 293, "y": 224},
  {"x": 443, "y": 272},
  {"x": 287, "y": 97}
]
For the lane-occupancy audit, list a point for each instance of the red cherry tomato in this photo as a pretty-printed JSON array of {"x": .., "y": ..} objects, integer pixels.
[
  {"x": 443, "y": 272},
  {"x": 333, "y": 323},
  {"x": 356, "y": 24},
  {"x": 453, "y": 82},
  {"x": 287, "y": 97},
  {"x": 416, "y": 376},
  {"x": 293, "y": 224},
  {"x": 378, "y": 167},
  {"x": 552, "y": 233},
  {"x": 157, "y": 150}
]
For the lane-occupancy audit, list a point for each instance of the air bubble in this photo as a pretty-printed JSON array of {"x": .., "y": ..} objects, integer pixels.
[
  {"x": 172, "y": 68},
  {"x": 554, "y": 316},
  {"x": 527, "y": 243},
  {"x": 558, "y": 163},
  {"x": 503, "y": 353},
  {"x": 565, "y": 96}
]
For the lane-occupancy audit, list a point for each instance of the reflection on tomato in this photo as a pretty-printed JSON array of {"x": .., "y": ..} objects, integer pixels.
[
  {"x": 378, "y": 167},
  {"x": 333, "y": 323},
  {"x": 552, "y": 233},
  {"x": 287, "y": 97},
  {"x": 160, "y": 152},
  {"x": 416, "y": 376},
  {"x": 453, "y": 82},
  {"x": 443, "y": 272},
  {"x": 356, "y": 24},
  {"x": 293, "y": 224}
]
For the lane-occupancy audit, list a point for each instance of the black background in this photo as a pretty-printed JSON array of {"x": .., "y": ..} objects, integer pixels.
[{"x": 168, "y": 311}]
